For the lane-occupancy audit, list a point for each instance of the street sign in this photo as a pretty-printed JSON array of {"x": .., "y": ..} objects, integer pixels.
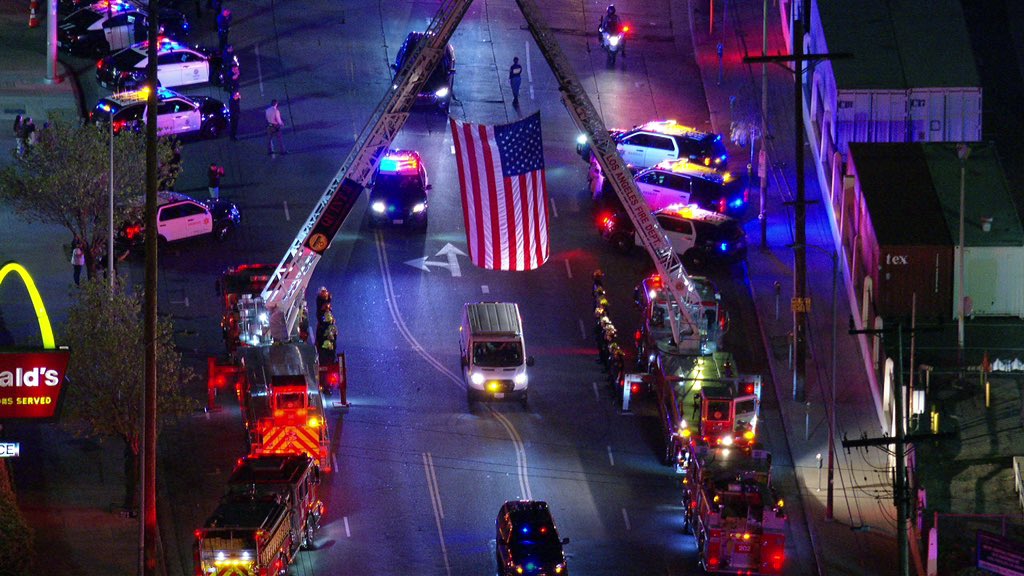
[
  {"x": 1000, "y": 555},
  {"x": 801, "y": 305},
  {"x": 10, "y": 449}
]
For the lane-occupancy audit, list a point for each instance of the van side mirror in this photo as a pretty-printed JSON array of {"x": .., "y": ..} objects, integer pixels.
[
  {"x": 428, "y": 187},
  {"x": 529, "y": 361},
  {"x": 395, "y": 68},
  {"x": 565, "y": 541}
]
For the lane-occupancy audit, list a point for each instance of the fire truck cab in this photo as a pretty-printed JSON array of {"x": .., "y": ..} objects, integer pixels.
[
  {"x": 656, "y": 303},
  {"x": 734, "y": 512},
  {"x": 246, "y": 535}
]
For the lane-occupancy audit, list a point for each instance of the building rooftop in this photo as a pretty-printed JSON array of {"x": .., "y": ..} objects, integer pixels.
[
  {"x": 913, "y": 194},
  {"x": 899, "y": 44}
]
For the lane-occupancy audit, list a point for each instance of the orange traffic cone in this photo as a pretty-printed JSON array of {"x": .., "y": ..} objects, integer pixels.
[{"x": 33, "y": 17}]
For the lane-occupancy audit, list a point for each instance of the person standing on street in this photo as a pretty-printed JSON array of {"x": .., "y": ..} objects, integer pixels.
[
  {"x": 214, "y": 175},
  {"x": 274, "y": 126},
  {"x": 77, "y": 259},
  {"x": 235, "y": 109},
  {"x": 223, "y": 27},
  {"x": 515, "y": 79},
  {"x": 19, "y": 140}
]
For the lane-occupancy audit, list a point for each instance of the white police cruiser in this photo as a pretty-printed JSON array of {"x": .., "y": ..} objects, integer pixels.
[
  {"x": 654, "y": 142},
  {"x": 110, "y": 25},
  {"x": 177, "y": 65},
  {"x": 177, "y": 114}
]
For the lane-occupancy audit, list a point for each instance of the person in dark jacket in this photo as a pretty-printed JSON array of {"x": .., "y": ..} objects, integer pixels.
[
  {"x": 223, "y": 27},
  {"x": 214, "y": 175},
  {"x": 235, "y": 108}
]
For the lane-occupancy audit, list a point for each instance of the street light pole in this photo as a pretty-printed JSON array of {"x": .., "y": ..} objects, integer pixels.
[
  {"x": 110, "y": 212},
  {"x": 962, "y": 152},
  {"x": 762, "y": 163}
]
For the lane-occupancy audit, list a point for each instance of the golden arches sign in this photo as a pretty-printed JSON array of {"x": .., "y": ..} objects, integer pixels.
[{"x": 37, "y": 301}]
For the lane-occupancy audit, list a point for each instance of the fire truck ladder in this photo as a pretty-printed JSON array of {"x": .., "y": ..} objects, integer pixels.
[
  {"x": 693, "y": 334},
  {"x": 285, "y": 289},
  {"x": 284, "y": 292}
]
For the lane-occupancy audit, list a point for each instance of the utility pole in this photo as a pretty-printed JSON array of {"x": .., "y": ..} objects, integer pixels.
[
  {"x": 148, "y": 441},
  {"x": 901, "y": 492},
  {"x": 801, "y": 303},
  {"x": 762, "y": 162}
]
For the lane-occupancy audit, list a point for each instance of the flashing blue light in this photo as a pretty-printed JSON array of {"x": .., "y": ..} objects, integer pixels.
[
  {"x": 388, "y": 164},
  {"x": 525, "y": 530},
  {"x": 723, "y": 247},
  {"x": 103, "y": 106},
  {"x": 737, "y": 203}
]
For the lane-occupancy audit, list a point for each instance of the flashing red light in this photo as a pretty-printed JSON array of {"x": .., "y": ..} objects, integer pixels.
[
  {"x": 746, "y": 195},
  {"x": 721, "y": 322},
  {"x": 721, "y": 205},
  {"x": 99, "y": 64},
  {"x": 333, "y": 378},
  {"x": 635, "y": 388},
  {"x": 625, "y": 29},
  {"x": 198, "y": 533},
  {"x": 119, "y": 125},
  {"x": 693, "y": 503},
  {"x": 713, "y": 562},
  {"x": 656, "y": 282},
  {"x": 135, "y": 230},
  {"x": 748, "y": 388}
]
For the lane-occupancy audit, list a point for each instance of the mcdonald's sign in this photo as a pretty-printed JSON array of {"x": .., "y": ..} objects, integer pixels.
[{"x": 32, "y": 382}]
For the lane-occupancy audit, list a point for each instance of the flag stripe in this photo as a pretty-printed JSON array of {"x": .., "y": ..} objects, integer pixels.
[{"x": 468, "y": 212}]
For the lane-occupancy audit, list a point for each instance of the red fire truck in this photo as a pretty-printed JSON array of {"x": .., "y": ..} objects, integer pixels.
[
  {"x": 294, "y": 478},
  {"x": 733, "y": 511},
  {"x": 246, "y": 536},
  {"x": 281, "y": 404},
  {"x": 703, "y": 398}
]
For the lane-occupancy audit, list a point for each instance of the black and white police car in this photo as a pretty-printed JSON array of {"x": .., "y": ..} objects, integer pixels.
[
  {"x": 110, "y": 25},
  {"x": 654, "y": 142},
  {"x": 177, "y": 65},
  {"x": 177, "y": 114},
  {"x": 398, "y": 191},
  {"x": 684, "y": 182},
  {"x": 437, "y": 91},
  {"x": 699, "y": 236},
  {"x": 180, "y": 217}
]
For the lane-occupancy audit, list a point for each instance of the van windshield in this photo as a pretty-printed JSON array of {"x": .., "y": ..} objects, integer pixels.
[{"x": 498, "y": 354}]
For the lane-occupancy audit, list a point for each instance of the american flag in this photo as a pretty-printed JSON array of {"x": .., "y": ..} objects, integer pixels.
[{"x": 504, "y": 193}]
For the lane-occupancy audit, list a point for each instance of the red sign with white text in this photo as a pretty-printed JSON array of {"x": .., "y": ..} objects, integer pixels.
[{"x": 31, "y": 383}]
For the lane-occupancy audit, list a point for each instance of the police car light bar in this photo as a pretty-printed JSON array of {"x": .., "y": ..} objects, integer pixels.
[
  {"x": 398, "y": 162},
  {"x": 671, "y": 127}
]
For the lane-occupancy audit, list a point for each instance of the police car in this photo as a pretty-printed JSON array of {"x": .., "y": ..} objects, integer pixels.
[
  {"x": 684, "y": 182},
  {"x": 437, "y": 90},
  {"x": 110, "y": 25},
  {"x": 398, "y": 191},
  {"x": 654, "y": 142},
  {"x": 180, "y": 217},
  {"x": 699, "y": 236},
  {"x": 176, "y": 65},
  {"x": 177, "y": 114}
]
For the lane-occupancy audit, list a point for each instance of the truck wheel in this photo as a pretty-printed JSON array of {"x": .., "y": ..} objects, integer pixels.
[{"x": 470, "y": 396}]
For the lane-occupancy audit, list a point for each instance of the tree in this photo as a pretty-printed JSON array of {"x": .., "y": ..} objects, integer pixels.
[
  {"x": 16, "y": 553},
  {"x": 106, "y": 374},
  {"x": 65, "y": 179}
]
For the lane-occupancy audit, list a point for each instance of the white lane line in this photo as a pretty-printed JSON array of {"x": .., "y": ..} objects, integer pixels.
[
  {"x": 568, "y": 269},
  {"x": 259, "y": 68},
  {"x": 583, "y": 330},
  {"x": 287, "y": 215},
  {"x": 554, "y": 209},
  {"x": 625, "y": 518},
  {"x": 432, "y": 480},
  {"x": 453, "y": 150},
  {"x": 485, "y": 289},
  {"x": 521, "y": 465},
  {"x": 435, "y": 501},
  {"x": 348, "y": 533},
  {"x": 597, "y": 395},
  {"x": 611, "y": 459}
]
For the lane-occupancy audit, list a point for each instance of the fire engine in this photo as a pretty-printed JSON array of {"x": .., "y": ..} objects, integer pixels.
[
  {"x": 733, "y": 510},
  {"x": 281, "y": 404},
  {"x": 247, "y": 535},
  {"x": 704, "y": 399},
  {"x": 294, "y": 478},
  {"x": 657, "y": 307}
]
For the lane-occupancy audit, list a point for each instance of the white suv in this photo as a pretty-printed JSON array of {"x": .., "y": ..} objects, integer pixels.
[
  {"x": 654, "y": 142},
  {"x": 180, "y": 217}
]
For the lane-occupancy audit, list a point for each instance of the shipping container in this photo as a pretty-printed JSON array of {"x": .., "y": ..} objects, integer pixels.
[
  {"x": 945, "y": 114},
  {"x": 904, "y": 271},
  {"x": 994, "y": 280}
]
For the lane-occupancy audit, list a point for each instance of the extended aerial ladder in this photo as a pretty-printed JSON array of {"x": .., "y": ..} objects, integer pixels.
[{"x": 285, "y": 290}]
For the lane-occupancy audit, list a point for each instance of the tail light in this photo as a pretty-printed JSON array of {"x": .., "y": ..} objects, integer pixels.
[
  {"x": 99, "y": 64},
  {"x": 132, "y": 232},
  {"x": 721, "y": 205},
  {"x": 713, "y": 562},
  {"x": 748, "y": 388},
  {"x": 625, "y": 29},
  {"x": 635, "y": 388},
  {"x": 119, "y": 125},
  {"x": 333, "y": 379}
]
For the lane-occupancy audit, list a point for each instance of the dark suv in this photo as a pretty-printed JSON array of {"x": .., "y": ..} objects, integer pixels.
[
  {"x": 527, "y": 541},
  {"x": 437, "y": 90}
]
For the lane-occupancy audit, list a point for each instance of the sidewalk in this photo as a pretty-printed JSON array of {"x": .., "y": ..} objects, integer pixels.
[{"x": 861, "y": 538}]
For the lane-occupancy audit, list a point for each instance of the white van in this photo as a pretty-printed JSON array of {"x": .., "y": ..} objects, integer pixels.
[{"x": 493, "y": 351}]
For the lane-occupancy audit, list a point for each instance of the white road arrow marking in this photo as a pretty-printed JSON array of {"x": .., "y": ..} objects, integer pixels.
[{"x": 450, "y": 252}]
